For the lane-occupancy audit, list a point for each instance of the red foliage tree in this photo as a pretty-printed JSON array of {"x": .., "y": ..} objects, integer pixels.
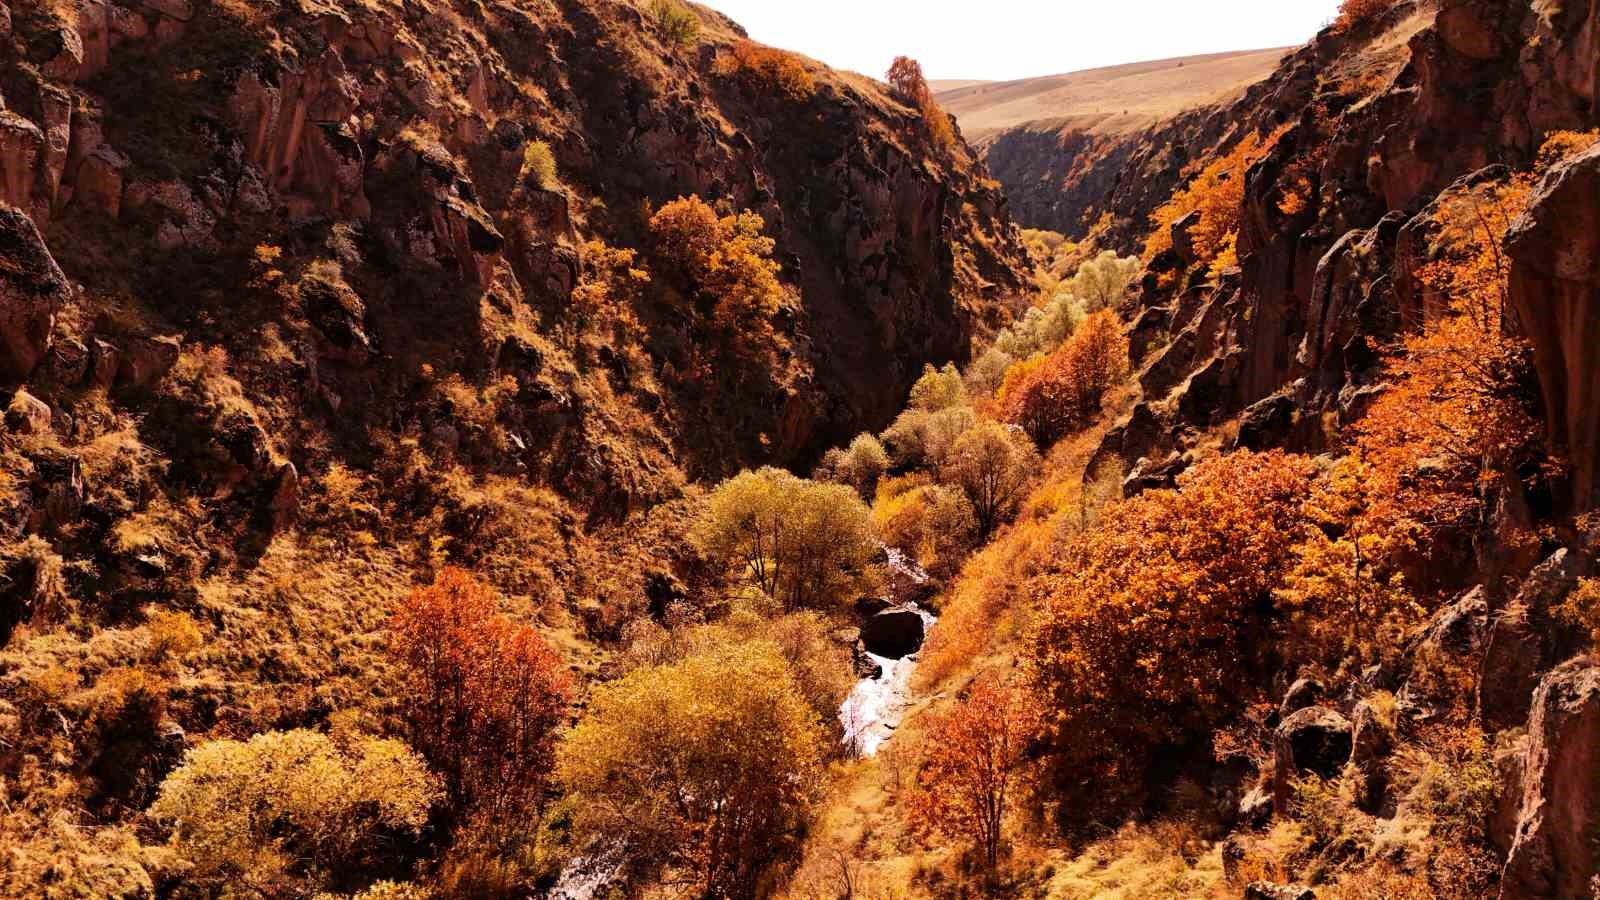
[
  {"x": 905, "y": 78},
  {"x": 483, "y": 694},
  {"x": 1063, "y": 392}
]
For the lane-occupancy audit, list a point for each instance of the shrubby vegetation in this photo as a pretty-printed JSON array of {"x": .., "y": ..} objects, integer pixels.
[
  {"x": 483, "y": 694},
  {"x": 806, "y": 544},
  {"x": 704, "y": 769},
  {"x": 908, "y": 84},
  {"x": 286, "y": 806}
]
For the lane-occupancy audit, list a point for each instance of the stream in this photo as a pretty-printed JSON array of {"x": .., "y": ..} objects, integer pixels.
[{"x": 876, "y": 704}]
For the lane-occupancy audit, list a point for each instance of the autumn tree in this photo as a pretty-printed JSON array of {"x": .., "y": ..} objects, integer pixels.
[
  {"x": 1216, "y": 193},
  {"x": 1052, "y": 396},
  {"x": 1343, "y": 591},
  {"x": 726, "y": 262},
  {"x": 1100, "y": 282},
  {"x": 936, "y": 414},
  {"x": 992, "y": 465},
  {"x": 907, "y": 82},
  {"x": 283, "y": 805},
  {"x": 1358, "y": 13},
  {"x": 859, "y": 465},
  {"x": 483, "y": 695},
  {"x": 703, "y": 768},
  {"x": 974, "y": 759},
  {"x": 1151, "y": 624},
  {"x": 803, "y": 543}
]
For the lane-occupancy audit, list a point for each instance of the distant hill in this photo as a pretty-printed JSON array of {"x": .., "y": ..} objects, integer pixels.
[{"x": 1111, "y": 100}]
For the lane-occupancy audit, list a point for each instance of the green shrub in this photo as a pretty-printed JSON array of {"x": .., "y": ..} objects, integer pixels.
[
  {"x": 539, "y": 166},
  {"x": 679, "y": 25}
]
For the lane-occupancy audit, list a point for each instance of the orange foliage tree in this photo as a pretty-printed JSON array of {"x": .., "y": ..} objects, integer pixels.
[
  {"x": 1356, "y": 13},
  {"x": 483, "y": 694},
  {"x": 1062, "y": 392},
  {"x": 728, "y": 262},
  {"x": 768, "y": 68},
  {"x": 1216, "y": 192},
  {"x": 1151, "y": 625},
  {"x": 974, "y": 761},
  {"x": 906, "y": 80}
]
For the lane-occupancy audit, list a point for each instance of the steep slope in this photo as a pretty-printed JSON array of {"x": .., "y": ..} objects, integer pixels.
[
  {"x": 300, "y": 302},
  {"x": 1071, "y": 148}
]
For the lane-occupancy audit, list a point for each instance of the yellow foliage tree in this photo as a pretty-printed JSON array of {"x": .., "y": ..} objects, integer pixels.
[
  {"x": 251, "y": 814},
  {"x": 803, "y": 543},
  {"x": 703, "y": 768}
]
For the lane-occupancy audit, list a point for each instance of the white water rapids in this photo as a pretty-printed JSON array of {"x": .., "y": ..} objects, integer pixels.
[{"x": 876, "y": 705}]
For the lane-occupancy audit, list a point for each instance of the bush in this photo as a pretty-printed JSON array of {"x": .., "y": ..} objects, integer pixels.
[
  {"x": 992, "y": 465},
  {"x": 483, "y": 694},
  {"x": 704, "y": 768},
  {"x": 919, "y": 438},
  {"x": 862, "y": 464},
  {"x": 803, "y": 543},
  {"x": 769, "y": 69},
  {"x": 539, "y": 166},
  {"x": 1358, "y": 13},
  {"x": 680, "y": 27},
  {"x": 259, "y": 811},
  {"x": 1056, "y": 395},
  {"x": 727, "y": 263},
  {"x": 1150, "y": 628}
]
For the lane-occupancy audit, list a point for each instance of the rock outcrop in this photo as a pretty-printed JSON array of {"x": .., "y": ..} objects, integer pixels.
[
  {"x": 1553, "y": 853},
  {"x": 1555, "y": 287},
  {"x": 32, "y": 291},
  {"x": 1315, "y": 740}
]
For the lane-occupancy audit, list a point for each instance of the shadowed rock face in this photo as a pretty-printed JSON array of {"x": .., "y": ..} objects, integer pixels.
[
  {"x": 1553, "y": 853},
  {"x": 1555, "y": 287},
  {"x": 893, "y": 633},
  {"x": 32, "y": 289}
]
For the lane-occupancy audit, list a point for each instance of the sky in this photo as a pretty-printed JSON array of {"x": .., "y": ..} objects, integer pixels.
[{"x": 1001, "y": 40}]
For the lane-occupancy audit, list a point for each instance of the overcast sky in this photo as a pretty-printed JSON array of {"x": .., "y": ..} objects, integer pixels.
[{"x": 1000, "y": 40}]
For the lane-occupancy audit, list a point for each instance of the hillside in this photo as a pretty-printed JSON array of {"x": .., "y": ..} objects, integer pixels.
[
  {"x": 305, "y": 304},
  {"x": 1105, "y": 101}
]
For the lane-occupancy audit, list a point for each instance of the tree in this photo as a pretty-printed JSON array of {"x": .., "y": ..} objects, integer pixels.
[
  {"x": 1151, "y": 626},
  {"x": 703, "y": 769},
  {"x": 860, "y": 465},
  {"x": 992, "y": 465},
  {"x": 803, "y": 543},
  {"x": 1357, "y": 13},
  {"x": 1216, "y": 192},
  {"x": 906, "y": 80},
  {"x": 1052, "y": 396},
  {"x": 918, "y": 437},
  {"x": 483, "y": 695},
  {"x": 727, "y": 263},
  {"x": 252, "y": 813},
  {"x": 1100, "y": 282},
  {"x": 974, "y": 759},
  {"x": 938, "y": 389},
  {"x": 679, "y": 25}
]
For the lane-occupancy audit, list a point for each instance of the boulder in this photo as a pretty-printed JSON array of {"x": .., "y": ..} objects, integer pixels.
[
  {"x": 1518, "y": 645},
  {"x": 1267, "y": 424},
  {"x": 32, "y": 290},
  {"x": 27, "y": 414},
  {"x": 1555, "y": 288},
  {"x": 893, "y": 633},
  {"x": 1316, "y": 740},
  {"x": 147, "y": 359},
  {"x": 1553, "y": 853},
  {"x": 69, "y": 361},
  {"x": 1303, "y": 693},
  {"x": 1183, "y": 238},
  {"x": 284, "y": 506}
]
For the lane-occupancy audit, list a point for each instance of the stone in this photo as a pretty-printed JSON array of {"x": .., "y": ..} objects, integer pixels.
[
  {"x": 27, "y": 414},
  {"x": 1183, "y": 238},
  {"x": 1315, "y": 740},
  {"x": 1555, "y": 289},
  {"x": 69, "y": 361},
  {"x": 284, "y": 506},
  {"x": 146, "y": 360},
  {"x": 106, "y": 358},
  {"x": 1553, "y": 853},
  {"x": 1303, "y": 693},
  {"x": 893, "y": 633},
  {"x": 1518, "y": 645},
  {"x": 32, "y": 290}
]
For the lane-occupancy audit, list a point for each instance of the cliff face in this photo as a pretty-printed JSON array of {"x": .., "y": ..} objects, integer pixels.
[
  {"x": 157, "y": 146},
  {"x": 1378, "y": 128}
]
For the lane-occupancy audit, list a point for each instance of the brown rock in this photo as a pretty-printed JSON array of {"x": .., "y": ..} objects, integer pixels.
[
  {"x": 106, "y": 360},
  {"x": 147, "y": 359},
  {"x": 1553, "y": 854},
  {"x": 69, "y": 361},
  {"x": 21, "y": 148},
  {"x": 1316, "y": 740},
  {"x": 284, "y": 506},
  {"x": 32, "y": 289},
  {"x": 27, "y": 414},
  {"x": 1266, "y": 890},
  {"x": 1555, "y": 287},
  {"x": 98, "y": 182}
]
